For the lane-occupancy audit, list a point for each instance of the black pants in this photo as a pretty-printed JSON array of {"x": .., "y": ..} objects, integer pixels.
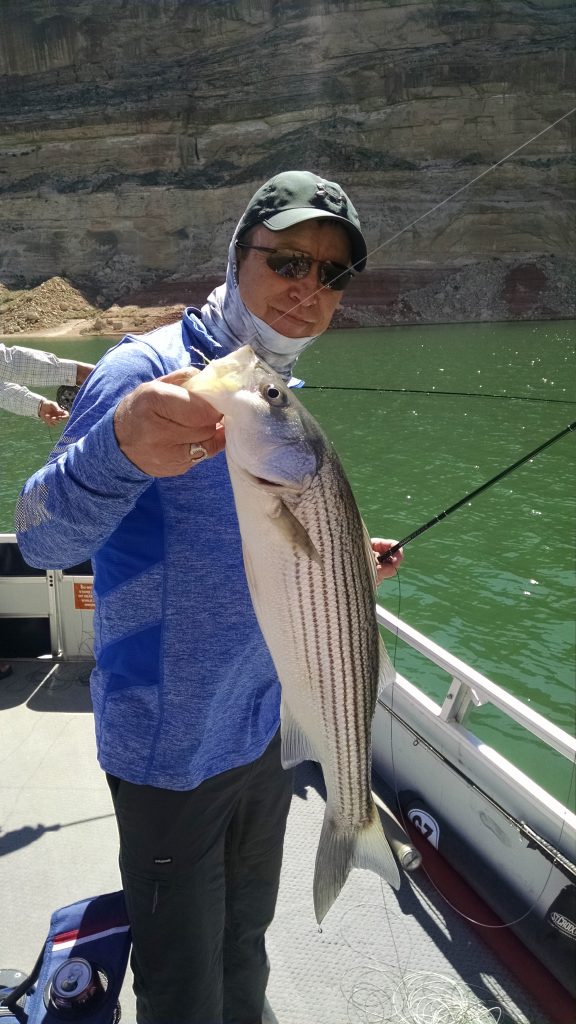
[{"x": 200, "y": 871}]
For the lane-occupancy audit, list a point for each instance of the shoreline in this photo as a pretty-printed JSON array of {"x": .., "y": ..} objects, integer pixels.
[
  {"x": 85, "y": 329},
  {"x": 111, "y": 324},
  {"x": 55, "y": 309},
  {"x": 73, "y": 330}
]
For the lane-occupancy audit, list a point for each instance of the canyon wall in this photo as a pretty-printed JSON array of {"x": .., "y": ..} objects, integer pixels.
[{"x": 133, "y": 133}]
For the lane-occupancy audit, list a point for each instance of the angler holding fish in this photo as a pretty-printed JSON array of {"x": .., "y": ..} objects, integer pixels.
[{"x": 194, "y": 655}]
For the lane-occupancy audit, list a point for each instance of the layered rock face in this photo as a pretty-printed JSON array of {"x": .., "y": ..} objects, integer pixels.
[{"x": 134, "y": 133}]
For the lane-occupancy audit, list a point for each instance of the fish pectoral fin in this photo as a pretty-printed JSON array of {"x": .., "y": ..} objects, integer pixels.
[
  {"x": 386, "y": 670},
  {"x": 293, "y": 530},
  {"x": 340, "y": 851},
  {"x": 296, "y": 747}
]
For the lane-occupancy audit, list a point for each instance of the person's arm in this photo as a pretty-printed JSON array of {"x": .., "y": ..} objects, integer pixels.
[
  {"x": 20, "y": 366},
  {"x": 70, "y": 507},
  {"x": 36, "y": 367},
  {"x": 18, "y": 399}
]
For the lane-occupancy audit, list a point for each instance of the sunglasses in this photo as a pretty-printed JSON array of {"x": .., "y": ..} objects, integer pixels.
[{"x": 293, "y": 264}]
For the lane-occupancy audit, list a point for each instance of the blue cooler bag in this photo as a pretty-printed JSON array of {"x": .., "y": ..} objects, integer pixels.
[{"x": 80, "y": 970}]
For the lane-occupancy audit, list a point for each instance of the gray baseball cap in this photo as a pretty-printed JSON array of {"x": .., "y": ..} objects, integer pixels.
[{"x": 294, "y": 196}]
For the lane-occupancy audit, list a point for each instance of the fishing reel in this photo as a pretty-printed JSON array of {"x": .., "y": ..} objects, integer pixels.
[{"x": 65, "y": 395}]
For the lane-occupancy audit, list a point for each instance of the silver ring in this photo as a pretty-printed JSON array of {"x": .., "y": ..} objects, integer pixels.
[{"x": 197, "y": 452}]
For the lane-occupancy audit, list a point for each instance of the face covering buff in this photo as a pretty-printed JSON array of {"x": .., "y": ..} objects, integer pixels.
[{"x": 231, "y": 323}]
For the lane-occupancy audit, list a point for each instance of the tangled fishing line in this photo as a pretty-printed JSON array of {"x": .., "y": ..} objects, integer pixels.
[
  {"x": 388, "y": 991},
  {"x": 421, "y": 997}
]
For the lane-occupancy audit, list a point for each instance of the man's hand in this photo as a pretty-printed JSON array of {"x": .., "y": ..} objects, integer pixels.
[
  {"x": 158, "y": 422},
  {"x": 51, "y": 413},
  {"x": 388, "y": 568}
]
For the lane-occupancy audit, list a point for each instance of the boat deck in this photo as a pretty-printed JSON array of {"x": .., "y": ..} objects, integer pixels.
[{"x": 381, "y": 955}]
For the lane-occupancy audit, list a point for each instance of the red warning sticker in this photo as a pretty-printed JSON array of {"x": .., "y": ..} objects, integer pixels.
[{"x": 84, "y": 596}]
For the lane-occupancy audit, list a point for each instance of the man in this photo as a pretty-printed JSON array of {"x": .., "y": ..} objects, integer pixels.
[
  {"x": 21, "y": 366},
  {"x": 185, "y": 695},
  {"x": 33, "y": 366}
]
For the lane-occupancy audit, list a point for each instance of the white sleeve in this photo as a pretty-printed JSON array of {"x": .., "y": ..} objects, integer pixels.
[
  {"x": 18, "y": 399},
  {"x": 33, "y": 366}
]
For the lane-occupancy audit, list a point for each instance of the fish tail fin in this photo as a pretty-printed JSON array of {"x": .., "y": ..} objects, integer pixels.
[
  {"x": 339, "y": 852},
  {"x": 373, "y": 851},
  {"x": 333, "y": 864}
]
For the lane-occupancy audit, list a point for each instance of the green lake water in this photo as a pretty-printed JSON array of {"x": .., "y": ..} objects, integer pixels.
[{"x": 421, "y": 416}]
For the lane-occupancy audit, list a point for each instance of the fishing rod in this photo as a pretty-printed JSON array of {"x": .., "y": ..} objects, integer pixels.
[{"x": 463, "y": 501}]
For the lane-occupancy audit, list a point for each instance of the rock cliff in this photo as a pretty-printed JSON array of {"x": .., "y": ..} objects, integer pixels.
[{"x": 133, "y": 134}]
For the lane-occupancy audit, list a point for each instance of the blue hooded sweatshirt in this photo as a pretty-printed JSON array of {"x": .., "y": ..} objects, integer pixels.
[{"x": 184, "y": 687}]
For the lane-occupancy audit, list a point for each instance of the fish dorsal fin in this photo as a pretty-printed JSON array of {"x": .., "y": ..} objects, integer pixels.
[
  {"x": 292, "y": 529},
  {"x": 296, "y": 746}
]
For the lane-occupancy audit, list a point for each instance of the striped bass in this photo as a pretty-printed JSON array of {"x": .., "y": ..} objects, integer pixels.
[{"x": 311, "y": 572}]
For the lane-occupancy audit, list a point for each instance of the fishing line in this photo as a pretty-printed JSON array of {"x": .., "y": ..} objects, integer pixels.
[
  {"x": 438, "y": 206},
  {"x": 472, "y": 182},
  {"x": 433, "y": 391},
  {"x": 390, "y": 993},
  {"x": 422, "y": 997},
  {"x": 51, "y": 435}
]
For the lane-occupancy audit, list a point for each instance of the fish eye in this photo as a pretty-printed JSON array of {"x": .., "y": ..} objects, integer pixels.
[{"x": 273, "y": 395}]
